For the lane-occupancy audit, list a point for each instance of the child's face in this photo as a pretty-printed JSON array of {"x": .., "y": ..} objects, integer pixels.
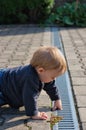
[{"x": 47, "y": 76}]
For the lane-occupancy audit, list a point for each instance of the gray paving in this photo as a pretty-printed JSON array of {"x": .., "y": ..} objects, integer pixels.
[
  {"x": 17, "y": 44},
  {"x": 74, "y": 42}
]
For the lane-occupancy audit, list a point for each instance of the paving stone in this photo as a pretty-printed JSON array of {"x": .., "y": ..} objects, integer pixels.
[
  {"x": 3, "y": 60},
  {"x": 82, "y": 114},
  {"x": 79, "y": 42},
  {"x": 79, "y": 90},
  {"x": 80, "y": 51},
  {"x": 6, "y": 56},
  {"x": 75, "y": 67},
  {"x": 81, "y": 101},
  {"x": 79, "y": 80},
  {"x": 84, "y": 126},
  {"x": 73, "y": 62},
  {"x": 72, "y": 56},
  {"x": 3, "y": 65},
  {"x": 39, "y": 125},
  {"x": 76, "y": 73},
  {"x": 84, "y": 59},
  {"x": 68, "y": 50}
]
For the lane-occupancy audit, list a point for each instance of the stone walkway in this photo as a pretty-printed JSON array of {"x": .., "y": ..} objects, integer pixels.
[
  {"x": 74, "y": 41},
  {"x": 17, "y": 44}
]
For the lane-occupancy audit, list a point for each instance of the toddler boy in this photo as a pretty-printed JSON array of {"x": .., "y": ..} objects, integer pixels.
[{"x": 21, "y": 86}]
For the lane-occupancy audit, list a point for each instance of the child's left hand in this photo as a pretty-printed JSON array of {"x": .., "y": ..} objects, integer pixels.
[
  {"x": 40, "y": 115},
  {"x": 57, "y": 105}
]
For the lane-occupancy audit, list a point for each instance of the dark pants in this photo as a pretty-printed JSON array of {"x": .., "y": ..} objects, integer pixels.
[{"x": 2, "y": 99}]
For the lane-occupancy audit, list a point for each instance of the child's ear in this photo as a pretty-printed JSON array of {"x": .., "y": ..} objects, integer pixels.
[{"x": 40, "y": 70}]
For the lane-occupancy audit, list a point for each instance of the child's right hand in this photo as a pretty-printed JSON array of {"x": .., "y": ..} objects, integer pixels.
[{"x": 40, "y": 115}]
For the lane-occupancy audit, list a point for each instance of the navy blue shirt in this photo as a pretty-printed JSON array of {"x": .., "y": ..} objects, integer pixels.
[{"x": 21, "y": 86}]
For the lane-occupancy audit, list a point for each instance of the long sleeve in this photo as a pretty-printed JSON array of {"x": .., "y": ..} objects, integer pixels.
[
  {"x": 52, "y": 90},
  {"x": 30, "y": 95}
]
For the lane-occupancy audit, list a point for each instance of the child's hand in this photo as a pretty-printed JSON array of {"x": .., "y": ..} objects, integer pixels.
[
  {"x": 57, "y": 105},
  {"x": 40, "y": 115}
]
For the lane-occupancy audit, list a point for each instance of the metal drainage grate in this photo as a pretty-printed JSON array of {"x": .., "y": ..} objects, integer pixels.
[{"x": 70, "y": 121}]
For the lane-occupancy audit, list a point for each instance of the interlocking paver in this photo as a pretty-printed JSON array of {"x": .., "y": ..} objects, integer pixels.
[
  {"x": 82, "y": 113},
  {"x": 79, "y": 80},
  {"x": 81, "y": 102},
  {"x": 79, "y": 90}
]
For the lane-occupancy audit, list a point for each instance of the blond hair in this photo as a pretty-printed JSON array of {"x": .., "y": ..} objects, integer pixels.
[{"x": 48, "y": 58}]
